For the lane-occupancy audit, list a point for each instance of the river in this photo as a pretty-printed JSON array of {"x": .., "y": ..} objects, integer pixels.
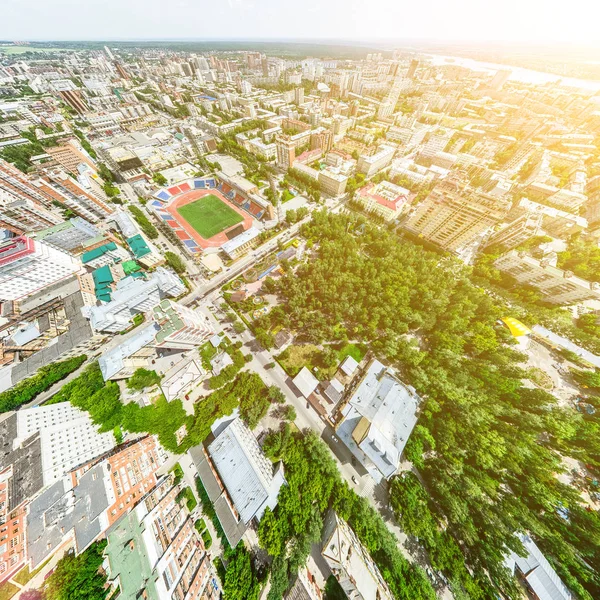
[{"x": 517, "y": 73}]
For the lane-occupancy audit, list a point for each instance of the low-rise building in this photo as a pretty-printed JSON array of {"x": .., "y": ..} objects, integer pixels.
[
  {"x": 384, "y": 199},
  {"x": 239, "y": 479},
  {"x": 240, "y": 244},
  {"x": 378, "y": 419}
]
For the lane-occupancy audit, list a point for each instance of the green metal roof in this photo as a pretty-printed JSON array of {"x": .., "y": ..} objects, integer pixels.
[
  {"x": 102, "y": 279},
  {"x": 86, "y": 257},
  {"x": 130, "y": 266},
  {"x": 138, "y": 246}
]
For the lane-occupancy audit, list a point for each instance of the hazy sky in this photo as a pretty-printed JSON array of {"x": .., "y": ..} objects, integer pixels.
[{"x": 468, "y": 20}]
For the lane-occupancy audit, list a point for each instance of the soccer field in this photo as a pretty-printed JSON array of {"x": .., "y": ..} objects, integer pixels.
[{"x": 209, "y": 216}]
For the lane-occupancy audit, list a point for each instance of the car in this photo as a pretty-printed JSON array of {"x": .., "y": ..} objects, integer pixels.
[{"x": 334, "y": 439}]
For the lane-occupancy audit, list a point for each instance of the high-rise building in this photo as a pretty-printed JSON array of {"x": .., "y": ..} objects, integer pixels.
[
  {"x": 412, "y": 68},
  {"x": 499, "y": 79},
  {"x": 74, "y": 99},
  {"x": 286, "y": 152},
  {"x": 180, "y": 327},
  {"x": 454, "y": 216},
  {"x": 27, "y": 266},
  {"x": 299, "y": 96},
  {"x": 351, "y": 563},
  {"x": 22, "y": 207}
]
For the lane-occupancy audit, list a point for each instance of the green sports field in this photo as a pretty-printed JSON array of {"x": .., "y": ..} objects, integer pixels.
[{"x": 209, "y": 216}]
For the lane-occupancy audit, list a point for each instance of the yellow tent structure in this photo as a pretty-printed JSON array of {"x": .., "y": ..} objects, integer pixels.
[{"x": 516, "y": 327}]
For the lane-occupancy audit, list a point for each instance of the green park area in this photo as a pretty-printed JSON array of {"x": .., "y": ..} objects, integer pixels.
[{"x": 209, "y": 216}]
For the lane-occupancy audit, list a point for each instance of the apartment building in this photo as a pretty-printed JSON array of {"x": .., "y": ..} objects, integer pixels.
[
  {"x": 154, "y": 552},
  {"x": 455, "y": 216},
  {"x": 22, "y": 207},
  {"x": 180, "y": 327},
  {"x": 557, "y": 286},
  {"x": 370, "y": 165}
]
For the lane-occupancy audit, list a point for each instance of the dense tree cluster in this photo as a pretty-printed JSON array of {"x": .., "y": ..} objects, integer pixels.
[
  {"x": 314, "y": 486},
  {"x": 78, "y": 577},
  {"x": 487, "y": 448},
  {"x": 581, "y": 257},
  {"x": 143, "y": 378},
  {"x": 144, "y": 223},
  {"x": 27, "y": 389},
  {"x": 102, "y": 401},
  {"x": 175, "y": 262}
]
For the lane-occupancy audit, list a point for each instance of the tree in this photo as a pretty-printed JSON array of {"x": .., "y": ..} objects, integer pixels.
[
  {"x": 143, "y": 378},
  {"x": 241, "y": 581},
  {"x": 175, "y": 262},
  {"x": 78, "y": 577},
  {"x": 276, "y": 395},
  {"x": 159, "y": 179}
]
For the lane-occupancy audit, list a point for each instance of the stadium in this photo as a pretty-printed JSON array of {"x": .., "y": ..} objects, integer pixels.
[{"x": 207, "y": 212}]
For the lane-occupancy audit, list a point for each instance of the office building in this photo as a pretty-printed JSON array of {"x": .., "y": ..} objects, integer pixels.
[
  {"x": 557, "y": 286},
  {"x": 351, "y": 563},
  {"x": 180, "y": 326},
  {"x": 370, "y": 165},
  {"x": 384, "y": 199},
  {"x": 455, "y": 217},
  {"x": 133, "y": 296},
  {"x": 22, "y": 207},
  {"x": 28, "y": 266},
  {"x": 239, "y": 479},
  {"x": 155, "y": 552},
  {"x": 378, "y": 419}
]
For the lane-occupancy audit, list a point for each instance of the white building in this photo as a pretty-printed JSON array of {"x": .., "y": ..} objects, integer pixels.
[
  {"x": 370, "y": 165},
  {"x": 558, "y": 286},
  {"x": 240, "y": 480},
  {"x": 378, "y": 420},
  {"x": 384, "y": 199},
  {"x": 536, "y": 573},
  {"x": 133, "y": 296},
  {"x": 68, "y": 437},
  {"x": 27, "y": 266}
]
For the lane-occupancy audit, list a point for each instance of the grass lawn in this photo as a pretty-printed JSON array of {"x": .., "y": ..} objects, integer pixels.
[
  {"x": 295, "y": 357},
  {"x": 7, "y": 590},
  {"x": 209, "y": 216},
  {"x": 356, "y": 351}
]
